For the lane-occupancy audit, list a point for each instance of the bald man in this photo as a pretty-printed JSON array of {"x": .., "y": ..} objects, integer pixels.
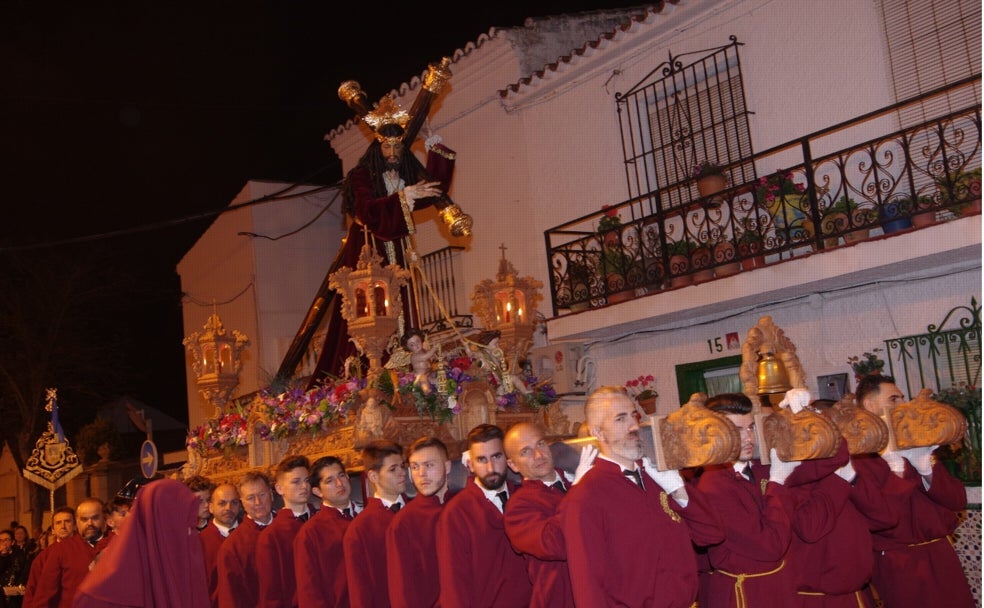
[
  {"x": 530, "y": 517},
  {"x": 629, "y": 535}
]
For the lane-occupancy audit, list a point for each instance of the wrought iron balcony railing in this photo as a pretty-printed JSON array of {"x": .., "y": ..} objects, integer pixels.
[{"x": 877, "y": 186}]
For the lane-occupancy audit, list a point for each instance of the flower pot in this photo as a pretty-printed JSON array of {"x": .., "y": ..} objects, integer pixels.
[
  {"x": 700, "y": 261},
  {"x": 725, "y": 256},
  {"x": 856, "y": 236},
  {"x": 621, "y": 296},
  {"x": 971, "y": 208},
  {"x": 893, "y": 218},
  {"x": 711, "y": 184},
  {"x": 921, "y": 220},
  {"x": 897, "y": 225},
  {"x": 648, "y": 405},
  {"x": 680, "y": 271},
  {"x": 751, "y": 253}
]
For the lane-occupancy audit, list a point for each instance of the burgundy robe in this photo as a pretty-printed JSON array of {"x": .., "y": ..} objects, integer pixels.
[
  {"x": 623, "y": 546},
  {"x": 477, "y": 565},
  {"x": 275, "y": 561},
  {"x": 365, "y": 556},
  {"x": 64, "y": 567},
  {"x": 411, "y": 554},
  {"x": 238, "y": 583},
  {"x": 533, "y": 529},
  {"x": 156, "y": 560},
  {"x": 915, "y": 563},
  {"x": 319, "y": 561},
  {"x": 830, "y": 553},
  {"x": 757, "y": 535},
  {"x": 212, "y": 540}
]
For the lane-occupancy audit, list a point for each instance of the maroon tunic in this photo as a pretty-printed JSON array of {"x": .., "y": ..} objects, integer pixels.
[
  {"x": 477, "y": 565},
  {"x": 237, "y": 583},
  {"x": 64, "y": 567},
  {"x": 830, "y": 553},
  {"x": 212, "y": 540},
  {"x": 624, "y": 548},
  {"x": 534, "y": 530},
  {"x": 275, "y": 561},
  {"x": 365, "y": 556},
  {"x": 915, "y": 563},
  {"x": 757, "y": 535},
  {"x": 411, "y": 554},
  {"x": 319, "y": 561},
  {"x": 156, "y": 559}
]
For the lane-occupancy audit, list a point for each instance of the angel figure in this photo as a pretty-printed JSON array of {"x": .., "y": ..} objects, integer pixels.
[
  {"x": 492, "y": 358},
  {"x": 417, "y": 357}
]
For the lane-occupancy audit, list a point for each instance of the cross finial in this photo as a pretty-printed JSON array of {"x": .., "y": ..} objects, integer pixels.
[{"x": 503, "y": 248}]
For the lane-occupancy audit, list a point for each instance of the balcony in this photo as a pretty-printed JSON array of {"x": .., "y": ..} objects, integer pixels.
[{"x": 871, "y": 187}]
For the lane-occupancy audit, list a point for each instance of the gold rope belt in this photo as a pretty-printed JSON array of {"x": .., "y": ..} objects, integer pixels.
[
  {"x": 740, "y": 580},
  {"x": 929, "y": 542},
  {"x": 857, "y": 595}
]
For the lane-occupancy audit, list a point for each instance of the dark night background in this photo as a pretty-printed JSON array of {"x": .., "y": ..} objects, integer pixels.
[{"x": 128, "y": 125}]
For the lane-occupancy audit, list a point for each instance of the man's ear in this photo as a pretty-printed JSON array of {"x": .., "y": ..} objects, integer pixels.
[
  {"x": 373, "y": 477},
  {"x": 317, "y": 492},
  {"x": 447, "y": 468},
  {"x": 512, "y": 467}
]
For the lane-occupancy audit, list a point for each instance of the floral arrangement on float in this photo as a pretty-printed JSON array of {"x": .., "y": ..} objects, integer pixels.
[{"x": 279, "y": 414}]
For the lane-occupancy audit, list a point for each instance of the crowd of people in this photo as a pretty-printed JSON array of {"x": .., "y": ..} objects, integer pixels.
[{"x": 612, "y": 530}]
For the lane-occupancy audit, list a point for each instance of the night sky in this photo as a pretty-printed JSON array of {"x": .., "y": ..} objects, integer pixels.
[{"x": 129, "y": 125}]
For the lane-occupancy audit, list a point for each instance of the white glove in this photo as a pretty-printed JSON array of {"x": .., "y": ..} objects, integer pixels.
[
  {"x": 921, "y": 459},
  {"x": 780, "y": 471},
  {"x": 466, "y": 460},
  {"x": 894, "y": 460},
  {"x": 796, "y": 399},
  {"x": 588, "y": 454},
  {"x": 669, "y": 480},
  {"x": 432, "y": 141},
  {"x": 847, "y": 472}
]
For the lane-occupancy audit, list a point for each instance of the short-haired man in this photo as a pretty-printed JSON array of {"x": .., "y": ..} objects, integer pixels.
[
  {"x": 754, "y": 508},
  {"x": 201, "y": 487},
  {"x": 365, "y": 539},
  {"x": 319, "y": 560},
  {"x": 411, "y": 553},
  {"x": 116, "y": 512},
  {"x": 531, "y": 523},
  {"x": 477, "y": 565},
  {"x": 238, "y": 583},
  {"x": 927, "y": 499},
  {"x": 62, "y": 527},
  {"x": 275, "y": 547},
  {"x": 628, "y": 542},
  {"x": 69, "y": 561},
  {"x": 224, "y": 506}
]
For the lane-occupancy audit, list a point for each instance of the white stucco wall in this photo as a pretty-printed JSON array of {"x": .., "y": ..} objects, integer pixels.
[{"x": 260, "y": 286}]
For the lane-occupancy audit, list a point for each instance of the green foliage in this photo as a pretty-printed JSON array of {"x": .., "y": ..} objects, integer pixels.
[
  {"x": 93, "y": 435},
  {"x": 868, "y": 363}
]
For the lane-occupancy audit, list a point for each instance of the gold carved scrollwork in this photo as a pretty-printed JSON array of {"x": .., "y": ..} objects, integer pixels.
[
  {"x": 806, "y": 435},
  {"x": 696, "y": 436},
  {"x": 923, "y": 422},
  {"x": 865, "y": 432}
]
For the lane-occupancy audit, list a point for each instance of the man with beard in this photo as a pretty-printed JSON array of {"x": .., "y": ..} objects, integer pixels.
[
  {"x": 275, "y": 547},
  {"x": 224, "y": 507},
  {"x": 319, "y": 560},
  {"x": 477, "y": 565},
  {"x": 749, "y": 566},
  {"x": 70, "y": 560},
  {"x": 411, "y": 552},
  {"x": 238, "y": 580},
  {"x": 630, "y": 529},
  {"x": 365, "y": 539},
  {"x": 62, "y": 527},
  {"x": 530, "y": 521}
]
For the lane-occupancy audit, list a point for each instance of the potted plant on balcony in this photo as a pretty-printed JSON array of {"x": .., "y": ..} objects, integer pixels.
[
  {"x": 894, "y": 214},
  {"x": 845, "y": 213},
  {"x": 725, "y": 257},
  {"x": 710, "y": 178},
  {"x": 701, "y": 259},
  {"x": 751, "y": 244},
  {"x": 679, "y": 258},
  {"x": 961, "y": 192},
  {"x": 921, "y": 210},
  {"x": 609, "y": 225},
  {"x": 616, "y": 266},
  {"x": 785, "y": 200},
  {"x": 579, "y": 280}
]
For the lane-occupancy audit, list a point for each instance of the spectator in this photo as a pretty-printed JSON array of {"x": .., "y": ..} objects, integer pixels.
[{"x": 238, "y": 581}]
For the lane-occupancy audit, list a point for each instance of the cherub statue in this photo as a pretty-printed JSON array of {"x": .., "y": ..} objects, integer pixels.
[
  {"x": 492, "y": 359},
  {"x": 417, "y": 356}
]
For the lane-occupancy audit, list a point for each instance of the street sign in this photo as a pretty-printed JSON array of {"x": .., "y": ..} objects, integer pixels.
[{"x": 148, "y": 459}]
